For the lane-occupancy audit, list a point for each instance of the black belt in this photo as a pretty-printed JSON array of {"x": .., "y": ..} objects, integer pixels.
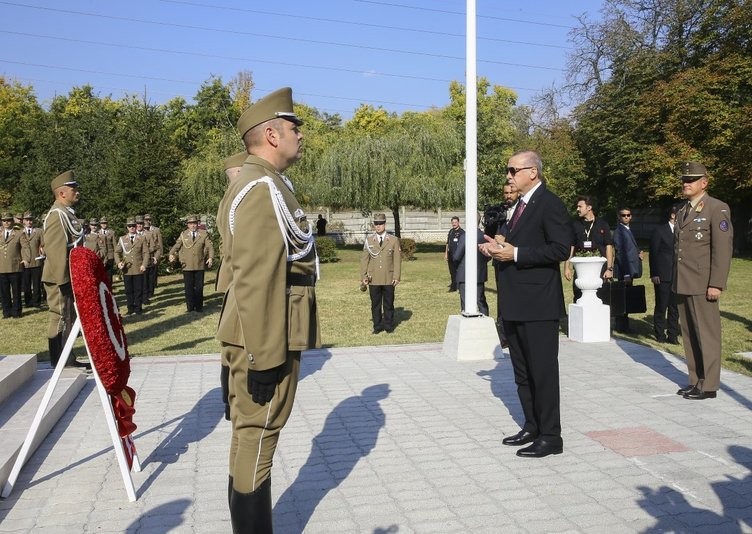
[{"x": 297, "y": 279}]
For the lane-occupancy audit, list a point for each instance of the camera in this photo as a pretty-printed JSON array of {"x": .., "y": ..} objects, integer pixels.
[{"x": 494, "y": 217}]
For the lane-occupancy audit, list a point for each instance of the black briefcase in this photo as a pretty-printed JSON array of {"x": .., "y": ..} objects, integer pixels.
[{"x": 623, "y": 298}]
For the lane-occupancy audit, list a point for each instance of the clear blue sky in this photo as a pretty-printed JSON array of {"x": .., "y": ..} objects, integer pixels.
[{"x": 336, "y": 54}]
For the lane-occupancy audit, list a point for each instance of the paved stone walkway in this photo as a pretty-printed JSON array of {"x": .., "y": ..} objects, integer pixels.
[{"x": 400, "y": 439}]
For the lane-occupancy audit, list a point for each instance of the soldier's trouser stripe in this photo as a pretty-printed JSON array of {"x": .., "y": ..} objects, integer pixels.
[{"x": 261, "y": 439}]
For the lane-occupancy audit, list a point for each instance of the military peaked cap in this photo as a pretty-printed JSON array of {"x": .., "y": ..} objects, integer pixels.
[
  {"x": 67, "y": 178},
  {"x": 277, "y": 104}
]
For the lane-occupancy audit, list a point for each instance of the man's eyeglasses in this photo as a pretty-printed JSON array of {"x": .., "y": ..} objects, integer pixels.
[
  {"x": 625, "y": 215},
  {"x": 514, "y": 170}
]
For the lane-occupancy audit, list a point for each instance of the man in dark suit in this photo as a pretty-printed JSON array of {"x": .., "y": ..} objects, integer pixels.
[
  {"x": 482, "y": 270},
  {"x": 532, "y": 301},
  {"x": 627, "y": 262},
  {"x": 453, "y": 238},
  {"x": 661, "y": 260}
]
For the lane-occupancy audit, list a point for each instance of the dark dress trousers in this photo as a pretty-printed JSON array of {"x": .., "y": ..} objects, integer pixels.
[
  {"x": 531, "y": 305},
  {"x": 482, "y": 270},
  {"x": 661, "y": 260}
]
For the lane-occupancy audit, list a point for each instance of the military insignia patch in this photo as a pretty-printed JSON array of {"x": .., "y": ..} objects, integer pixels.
[
  {"x": 723, "y": 225},
  {"x": 698, "y": 235}
]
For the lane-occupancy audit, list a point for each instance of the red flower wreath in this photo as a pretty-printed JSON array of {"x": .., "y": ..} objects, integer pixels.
[{"x": 104, "y": 334}]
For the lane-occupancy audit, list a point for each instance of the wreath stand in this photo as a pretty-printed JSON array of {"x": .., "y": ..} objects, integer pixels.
[{"x": 109, "y": 415}]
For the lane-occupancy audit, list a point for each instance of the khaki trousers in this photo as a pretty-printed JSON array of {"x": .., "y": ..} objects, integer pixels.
[
  {"x": 255, "y": 428},
  {"x": 61, "y": 312},
  {"x": 701, "y": 335}
]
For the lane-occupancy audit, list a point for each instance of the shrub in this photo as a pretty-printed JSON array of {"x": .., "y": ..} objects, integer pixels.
[
  {"x": 327, "y": 250},
  {"x": 408, "y": 248}
]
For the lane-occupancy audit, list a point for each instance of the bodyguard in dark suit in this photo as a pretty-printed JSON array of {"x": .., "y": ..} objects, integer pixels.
[
  {"x": 661, "y": 262},
  {"x": 627, "y": 262},
  {"x": 482, "y": 269},
  {"x": 532, "y": 301}
]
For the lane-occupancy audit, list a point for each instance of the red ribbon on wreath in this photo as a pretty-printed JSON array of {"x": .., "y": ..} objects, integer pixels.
[{"x": 105, "y": 338}]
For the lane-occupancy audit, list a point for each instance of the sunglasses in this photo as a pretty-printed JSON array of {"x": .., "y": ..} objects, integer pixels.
[
  {"x": 514, "y": 170},
  {"x": 625, "y": 215}
]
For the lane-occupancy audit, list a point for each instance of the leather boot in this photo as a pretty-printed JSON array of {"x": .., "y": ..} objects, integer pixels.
[
  {"x": 54, "y": 347},
  {"x": 229, "y": 490},
  {"x": 251, "y": 513},
  {"x": 224, "y": 380}
]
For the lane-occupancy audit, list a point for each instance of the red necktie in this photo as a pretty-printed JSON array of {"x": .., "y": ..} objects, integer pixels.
[{"x": 517, "y": 213}]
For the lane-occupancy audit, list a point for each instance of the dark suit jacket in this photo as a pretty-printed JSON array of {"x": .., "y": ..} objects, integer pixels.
[
  {"x": 628, "y": 262},
  {"x": 661, "y": 258},
  {"x": 531, "y": 287},
  {"x": 459, "y": 259}
]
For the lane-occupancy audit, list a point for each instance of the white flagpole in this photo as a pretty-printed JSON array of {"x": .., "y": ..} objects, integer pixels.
[{"x": 471, "y": 165}]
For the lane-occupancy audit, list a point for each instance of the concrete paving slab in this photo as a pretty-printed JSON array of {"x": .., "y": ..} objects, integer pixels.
[{"x": 400, "y": 439}]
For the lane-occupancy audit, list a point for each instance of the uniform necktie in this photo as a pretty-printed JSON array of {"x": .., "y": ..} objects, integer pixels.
[
  {"x": 517, "y": 213},
  {"x": 686, "y": 212},
  {"x": 381, "y": 240},
  {"x": 193, "y": 235},
  {"x": 131, "y": 240},
  {"x": 29, "y": 232},
  {"x": 7, "y": 235}
]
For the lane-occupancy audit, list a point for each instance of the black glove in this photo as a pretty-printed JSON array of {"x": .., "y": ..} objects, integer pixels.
[
  {"x": 66, "y": 290},
  {"x": 263, "y": 384}
]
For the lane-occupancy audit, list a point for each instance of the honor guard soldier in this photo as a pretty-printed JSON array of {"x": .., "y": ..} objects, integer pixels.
[
  {"x": 94, "y": 240},
  {"x": 155, "y": 252},
  {"x": 380, "y": 269},
  {"x": 702, "y": 261},
  {"x": 32, "y": 256},
  {"x": 61, "y": 232},
  {"x": 195, "y": 251},
  {"x": 132, "y": 258},
  {"x": 269, "y": 312},
  {"x": 232, "y": 167},
  {"x": 10, "y": 268},
  {"x": 149, "y": 238},
  {"x": 109, "y": 241}
]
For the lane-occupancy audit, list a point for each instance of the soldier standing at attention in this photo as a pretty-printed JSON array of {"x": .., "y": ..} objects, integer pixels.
[
  {"x": 703, "y": 248},
  {"x": 132, "y": 258},
  {"x": 269, "y": 313},
  {"x": 232, "y": 167},
  {"x": 94, "y": 240},
  {"x": 10, "y": 268},
  {"x": 155, "y": 253},
  {"x": 380, "y": 269},
  {"x": 109, "y": 243},
  {"x": 195, "y": 251},
  {"x": 32, "y": 250},
  {"x": 61, "y": 232}
]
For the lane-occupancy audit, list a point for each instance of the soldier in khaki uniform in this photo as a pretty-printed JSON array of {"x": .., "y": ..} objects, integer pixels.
[
  {"x": 380, "y": 269},
  {"x": 269, "y": 312},
  {"x": 109, "y": 242},
  {"x": 32, "y": 250},
  {"x": 94, "y": 241},
  {"x": 61, "y": 232},
  {"x": 703, "y": 249},
  {"x": 155, "y": 252},
  {"x": 195, "y": 251},
  {"x": 10, "y": 268},
  {"x": 132, "y": 258},
  {"x": 232, "y": 167}
]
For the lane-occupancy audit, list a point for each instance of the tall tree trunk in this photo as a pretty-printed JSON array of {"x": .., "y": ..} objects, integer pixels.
[{"x": 397, "y": 225}]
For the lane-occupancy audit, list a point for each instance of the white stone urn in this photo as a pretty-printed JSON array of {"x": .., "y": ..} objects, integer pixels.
[{"x": 588, "y": 269}]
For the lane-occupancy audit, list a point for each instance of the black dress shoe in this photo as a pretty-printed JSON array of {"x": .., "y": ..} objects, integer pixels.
[
  {"x": 696, "y": 394},
  {"x": 542, "y": 447},
  {"x": 377, "y": 330},
  {"x": 660, "y": 339},
  {"x": 673, "y": 340},
  {"x": 520, "y": 438},
  {"x": 685, "y": 389}
]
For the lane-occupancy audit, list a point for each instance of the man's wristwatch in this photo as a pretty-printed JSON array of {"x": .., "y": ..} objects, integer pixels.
[{"x": 610, "y": 269}]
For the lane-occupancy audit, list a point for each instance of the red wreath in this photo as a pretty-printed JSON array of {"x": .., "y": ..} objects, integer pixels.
[{"x": 105, "y": 337}]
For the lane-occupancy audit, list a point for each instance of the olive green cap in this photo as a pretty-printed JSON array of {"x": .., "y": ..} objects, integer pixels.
[
  {"x": 94, "y": 221},
  {"x": 103, "y": 220},
  {"x": 139, "y": 219},
  {"x": 277, "y": 104},
  {"x": 147, "y": 217},
  {"x": 130, "y": 221},
  {"x": 66, "y": 178},
  {"x": 692, "y": 171},
  {"x": 28, "y": 215},
  {"x": 236, "y": 160},
  {"x": 379, "y": 218},
  {"x": 192, "y": 219},
  {"x": 6, "y": 216}
]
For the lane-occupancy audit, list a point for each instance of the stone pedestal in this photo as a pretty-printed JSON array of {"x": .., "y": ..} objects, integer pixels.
[
  {"x": 589, "y": 318},
  {"x": 471, "y": 338}
]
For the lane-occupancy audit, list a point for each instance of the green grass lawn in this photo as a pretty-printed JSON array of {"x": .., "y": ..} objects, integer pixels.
[{"x": 422, "y": 305}]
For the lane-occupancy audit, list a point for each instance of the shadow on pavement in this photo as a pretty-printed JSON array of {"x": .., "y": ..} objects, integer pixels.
[
  {"x": 163, "y": 518},
  {"x": 312, "y": 362},
  {"x": 501, "y": 382},
  {"x": 662, "y": 365},
  {"x": 192, "y": 427},
  {"x": 349, "y": 434}
]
